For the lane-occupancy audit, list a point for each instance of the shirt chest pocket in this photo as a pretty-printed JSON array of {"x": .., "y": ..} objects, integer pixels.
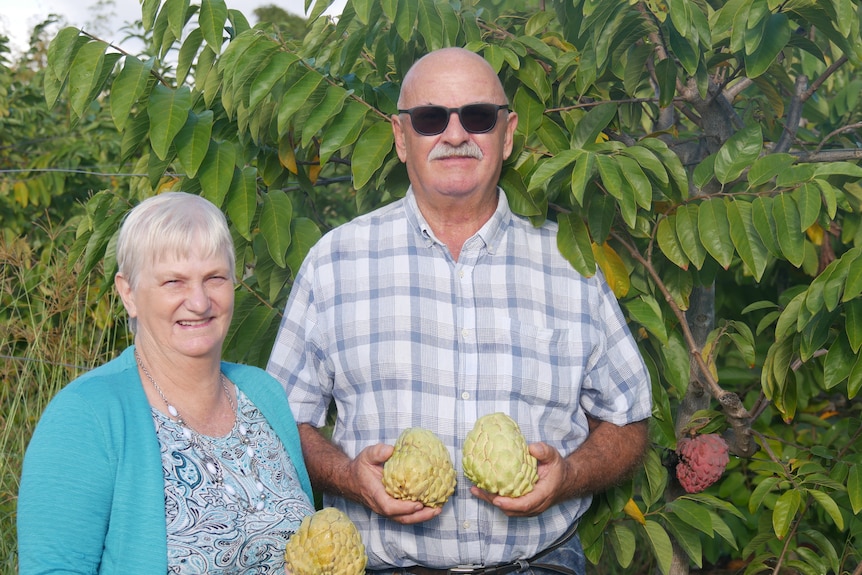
[{"x": 544, "y": 365}]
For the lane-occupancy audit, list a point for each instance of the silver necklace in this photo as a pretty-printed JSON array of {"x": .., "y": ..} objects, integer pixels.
[{"x": 214, "y": 465}]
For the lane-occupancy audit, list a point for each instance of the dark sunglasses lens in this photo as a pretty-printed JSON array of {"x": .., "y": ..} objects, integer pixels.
[
  {"x": 429, "y": 120},
  {"x": 478, "y": 118}
]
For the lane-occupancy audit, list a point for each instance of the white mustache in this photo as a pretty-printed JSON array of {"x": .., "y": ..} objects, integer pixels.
[{"x": 465, "y": 150}]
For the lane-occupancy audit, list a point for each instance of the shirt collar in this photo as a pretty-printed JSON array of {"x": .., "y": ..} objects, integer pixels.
[{"x": 490, "y": 234}]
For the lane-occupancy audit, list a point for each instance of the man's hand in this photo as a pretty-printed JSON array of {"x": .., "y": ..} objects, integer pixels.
[
  {"x": 552, "y": 471},
  {"x": 359, "y": 479},
  {"x": 367, "y": 473},
  {"x": 608, "y": 456}
]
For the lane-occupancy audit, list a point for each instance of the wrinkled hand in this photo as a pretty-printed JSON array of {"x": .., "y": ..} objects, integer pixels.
[
  {"x": 553, "y": 474},
  {"x": 367, "y": 473}
]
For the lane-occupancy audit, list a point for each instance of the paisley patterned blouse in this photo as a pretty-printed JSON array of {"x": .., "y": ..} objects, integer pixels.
[{"x": 230, "y": 506}]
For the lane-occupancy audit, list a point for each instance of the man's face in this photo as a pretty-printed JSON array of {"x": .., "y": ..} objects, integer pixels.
[{"x": 454, "y": 163}]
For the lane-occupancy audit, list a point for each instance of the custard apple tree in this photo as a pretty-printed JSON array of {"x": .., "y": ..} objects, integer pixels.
[{"x": 704, "y": 154}]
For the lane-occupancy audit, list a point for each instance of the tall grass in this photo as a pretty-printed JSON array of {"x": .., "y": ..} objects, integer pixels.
[{"x": 51, "y": 331}]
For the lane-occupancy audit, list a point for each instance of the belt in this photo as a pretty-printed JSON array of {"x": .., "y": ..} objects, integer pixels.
[{"x": 505, "y": 568}]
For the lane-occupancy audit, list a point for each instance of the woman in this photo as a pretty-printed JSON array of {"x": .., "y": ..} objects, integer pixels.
[{"x": 166, "y": 459}]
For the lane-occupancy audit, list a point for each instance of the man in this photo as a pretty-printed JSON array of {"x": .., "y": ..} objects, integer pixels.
[{"x": 443, "y": 307}]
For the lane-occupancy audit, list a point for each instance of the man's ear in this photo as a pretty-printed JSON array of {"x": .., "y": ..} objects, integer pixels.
[
  {"x": 511, "y": 125},
  {"x": 400, "y": 137}
]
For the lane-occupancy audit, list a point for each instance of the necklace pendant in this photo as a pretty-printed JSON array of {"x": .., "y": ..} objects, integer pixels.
[{"x": 173, "y": 411}]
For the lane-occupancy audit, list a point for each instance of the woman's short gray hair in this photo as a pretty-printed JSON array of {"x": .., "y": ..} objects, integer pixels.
[{"x": 171, "y": 224}]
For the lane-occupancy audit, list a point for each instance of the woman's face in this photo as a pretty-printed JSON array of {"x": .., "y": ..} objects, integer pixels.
[{"x": 183, "y": 306}]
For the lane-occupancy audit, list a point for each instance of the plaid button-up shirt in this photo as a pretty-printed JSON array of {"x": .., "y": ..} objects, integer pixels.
[{"x": 383, "y": 322}]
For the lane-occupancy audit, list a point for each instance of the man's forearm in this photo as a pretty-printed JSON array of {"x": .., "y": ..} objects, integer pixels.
[
  {"x": 606, "y": 458},
  {"x": 326, "y": 463}
]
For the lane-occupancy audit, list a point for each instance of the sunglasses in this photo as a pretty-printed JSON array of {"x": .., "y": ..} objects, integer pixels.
[{"x": 432, "y": 120}]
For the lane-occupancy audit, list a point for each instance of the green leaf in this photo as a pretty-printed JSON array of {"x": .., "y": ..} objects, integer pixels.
[
  {"x": 549, "y": 168},
  {"x": 264, "y": 82},
  {"x": 304, "y": 235},
  {"x": 853, "y": 323},
  {"x": 343, "y": 131},
  {"x": 854, "y": 487},
  {"x": 193, "y": 140},
  {"x": 573, "y": 241},
  {"x": 687, "y": 232},
  {"x": 370, "y": 151},
  {"x": 764, "y": 223},
  {"x": 275, "y": 216},
  {"x": 622, "y": 540},
  {"x": 661, "y": 545},
  {"x": 619, "y": 187},
  {"x": 788, "y": 228},
  {"x": 646, "y": 311},
  {"x": 328, "y": 108},
  {"x": 216, "y": 171},
  {"x": 169, "y": 111},
  {"x": 530, "y": 111},
  {"x": 242, "y": 200},
  {"x": 582, "y": 175},
  {"x": 775, "y": 36},
  {"x": 828, "y": 504},
  {"x": 761, "y": 491},
  {"x": 745, "y": 238},
  {"x": 637, "y": 179},
  {"x": 431, "y": 26},
  {"x": 839, "y": 362},
  {"x": 786, "y": 508},
  {"x": 520, "y": 200},
  {"x": 807, "y": 198},
  {"x": 211, "y": 19},
  {"x": 768, "y": 167},
  {"x": 296, "y": 97},
  {"x": 592, "y": 124},
  {"x": 84, "y": 74},
  {"x": 714, "y": 230},
  {"x": 673, "y": 165},
  {"x": 680, "y": 15},
  {"x": 738, "y": 152},
  {"x": 669, "y": 243},
  {"x": 405, "y": 18},
  {"x": 688, "y": 540},
  {"x": 666, "y": 76},
  {"x": 176, "y": 10},
  {"x": 533, "y": 76},
  {"x": 149, "y": 8},
  {"x": 650, "y": 164},
  {"x": 693, "y": 514},
  {"x": 127, "y": 88},
  {"x": 187, "y": 54},
  {"x": 62, "y": 51}
]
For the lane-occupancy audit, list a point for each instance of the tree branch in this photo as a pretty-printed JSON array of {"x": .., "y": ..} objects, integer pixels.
[
  {"x": 794, "y": 113},
  {"x": 823, "y": 77},
  {"x": 738, "y": 416}
]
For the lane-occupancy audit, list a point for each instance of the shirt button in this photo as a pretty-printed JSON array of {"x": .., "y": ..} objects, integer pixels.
[
  {"x": 465, "y": 333},
  {"x": 466, "y": 525},
  {"x": 465, "y": 395},
  {"x": 461, "y": 273}
]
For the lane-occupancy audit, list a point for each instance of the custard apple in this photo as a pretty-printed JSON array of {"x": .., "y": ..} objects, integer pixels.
[
  {"x": 496, "y": 457},
  {"x": 702, "y": 460},
  {"x": 419, "y": 469},
  {"x": 326, "y": 543}
]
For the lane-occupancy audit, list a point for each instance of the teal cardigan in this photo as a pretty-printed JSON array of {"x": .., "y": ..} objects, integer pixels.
[{"x": 92, "y": 495}]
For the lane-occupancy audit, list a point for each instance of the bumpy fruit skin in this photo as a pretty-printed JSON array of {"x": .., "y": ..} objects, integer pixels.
[
  {"x": 419, "y": 469},
  {"x": 326, "y": 543},
  {"x": 496, "y": 457},
  {"x": 702, "y": 460}
]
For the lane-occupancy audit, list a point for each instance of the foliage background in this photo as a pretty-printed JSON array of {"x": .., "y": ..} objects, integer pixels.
[{"x": 704, "y": 154}]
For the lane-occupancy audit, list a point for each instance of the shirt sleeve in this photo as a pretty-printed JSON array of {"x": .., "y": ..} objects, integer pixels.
[
  {"x": 298, "y": 359},
  {"x": 64, "y": 501},
  {"x": 618, "y": 389}
]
